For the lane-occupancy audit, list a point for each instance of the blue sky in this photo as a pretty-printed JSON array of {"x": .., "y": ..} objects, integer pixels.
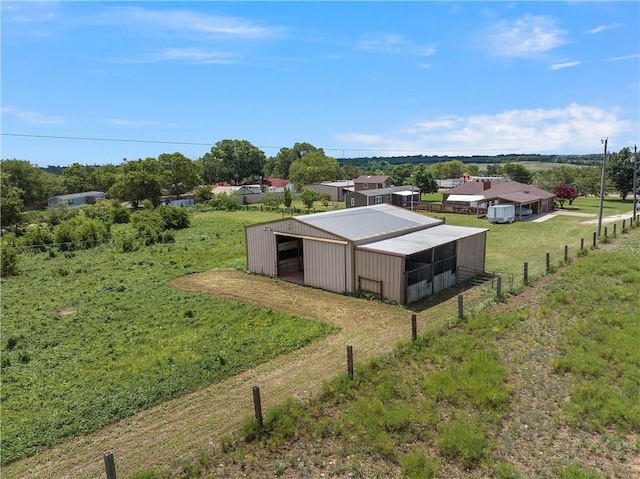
[{"x": 357, "y": 78}]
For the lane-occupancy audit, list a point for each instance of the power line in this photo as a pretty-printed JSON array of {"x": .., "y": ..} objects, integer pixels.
[{"x": 194, "y": 143}]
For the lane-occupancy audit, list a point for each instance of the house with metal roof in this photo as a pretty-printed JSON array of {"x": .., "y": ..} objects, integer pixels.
[
  {"x": 76, "y": 199},
  {"x": 404, "y": 196},
  {"x": 335, "y": 189},
  {"x": 528, "y": 199},
  {"x": 382, "y": 249}
]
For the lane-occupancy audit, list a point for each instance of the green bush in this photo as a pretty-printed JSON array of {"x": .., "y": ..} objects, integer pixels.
[
  {"x": 9, "y": 255},
  {"x": 148, "y": 225},
  {"x": 38, "y": 237},
  {"x": 175, "y": 218}
]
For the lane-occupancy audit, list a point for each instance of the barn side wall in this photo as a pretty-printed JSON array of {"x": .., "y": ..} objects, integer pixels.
[
  {"x": 375, "y": 267},
  {"x": 471, "y": 251}
]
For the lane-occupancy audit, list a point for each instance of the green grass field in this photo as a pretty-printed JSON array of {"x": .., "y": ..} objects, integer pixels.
[{"x": 93, "y": 336}]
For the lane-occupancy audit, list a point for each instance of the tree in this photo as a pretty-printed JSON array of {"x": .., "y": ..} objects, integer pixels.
[
  {"x": 287, "y": 198},
  {"x": 587, "y": 180},
  {"x": 308, "y": 197},
  {"x": 238, "y": 161},
  {"x": 36, "y": 184},
  {"x": 447, "y": 169},
  {"x": 203, "y": 193},
  {"x": 140, "y": 180},
  {"x": 423, "y": 179},
  {"x": 619, "y": 171},
  {"x": 183, "y": 173},
  {"x": 279, "y": 165},
  {"x": 314, "y": 167},
  {"x": 565, "y": 192},
  {"x": 77, "y": 178},
  {"x": 401, "y": 173},
  {"x": 517, "y": 172},
  {"x": 351, "y": 171},
  {"x": 547, "y": 179},
  {"x": 494, "y": 169},
  {"x": 11, "y": 204}
]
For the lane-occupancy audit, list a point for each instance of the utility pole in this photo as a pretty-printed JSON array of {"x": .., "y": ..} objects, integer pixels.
[
  {"x": 604, "y": 160},
  {"x": 634, "y": 160}
]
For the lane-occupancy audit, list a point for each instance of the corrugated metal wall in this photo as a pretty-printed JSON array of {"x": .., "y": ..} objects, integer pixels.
[
  {"x": 382, "y": 267},
  {"x": 325, "y": 265},
  {"x": 471, "y": 251},
  {"x": 261, "y": 250}
]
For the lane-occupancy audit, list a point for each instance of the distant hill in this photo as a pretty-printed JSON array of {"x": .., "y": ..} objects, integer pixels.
[{"x": 588, "y": 160}]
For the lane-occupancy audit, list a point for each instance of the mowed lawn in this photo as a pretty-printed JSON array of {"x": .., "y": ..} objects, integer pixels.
[{"x": 94, "y": 336}]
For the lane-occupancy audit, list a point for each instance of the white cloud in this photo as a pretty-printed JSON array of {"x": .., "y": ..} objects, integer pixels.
[
  {"x": 602, "y": 28},
  {"x": 626, "y": 57},
  {"x": 28, "y": 12},
  {"x": 560, "y": 66},
  {"x": 525, "y": 37},
  {"x": 33, "y": 117},
  {"x": 393, "y": 43},
  {"x": 186, "y": 21},
  {"x": 192, "y": 55},
  {"x": 572, "y": 129}
]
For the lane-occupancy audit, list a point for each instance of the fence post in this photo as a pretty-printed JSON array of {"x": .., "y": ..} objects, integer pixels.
[
  {"x": 581, "y": 244},
  {"x": 624, "y": 225},
  {"x": 460, "y": 306},
  {"x": 499, "y": 286},
  {"x": 414, "y": 326},
  {"x": 614, "y": 229},
  {"x": 547, "y": 263},
  {"x": 350, "y": 361},
  {"x": 605, "y": 231},
  {"x": 257, "y": 404},
  {"x": 566, "y": 253},
  {"x": 594, "y": 239},
  {"x": 109, "y": 465},
  {"x": 526, "y": 274}
]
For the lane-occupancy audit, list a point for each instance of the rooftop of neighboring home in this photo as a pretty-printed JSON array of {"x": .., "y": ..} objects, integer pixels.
[
  {"x": 506, "y": 190},
  {"x": 373, "y": 179}
]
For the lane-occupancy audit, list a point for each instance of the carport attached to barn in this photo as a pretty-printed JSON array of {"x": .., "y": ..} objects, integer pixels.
[{"x": 425, "y": 262}]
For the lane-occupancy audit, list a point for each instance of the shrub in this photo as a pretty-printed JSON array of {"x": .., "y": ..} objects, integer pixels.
[
  {"x": 175, "y": 218},
  {"x": 464, "y": 442},
  {"x": 9, "y": 255},
  {"x": 148, "y": 225},
  {"x": 38, "y": 237}
]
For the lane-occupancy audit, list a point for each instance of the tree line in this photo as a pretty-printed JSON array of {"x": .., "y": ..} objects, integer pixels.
[{"x": 26, "y": 186}]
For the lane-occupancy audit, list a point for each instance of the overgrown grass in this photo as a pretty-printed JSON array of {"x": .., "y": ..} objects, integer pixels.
[
  {"x": 90, "y": 337},
  {"x": 601, "y": 348}
]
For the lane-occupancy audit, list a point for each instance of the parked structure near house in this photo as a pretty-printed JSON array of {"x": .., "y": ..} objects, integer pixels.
[
  {"x": 246, "y": 195},
  {"x": 372, "y": 182},
  {"x": 403, "y": 196},
  {"x": 77, "y": 199},
  {"x": 392, "y": 252},
  {"x": 501, "y": 213},
  {"x": 335, "y": 189},
  {"x": 527, "y": 199}
]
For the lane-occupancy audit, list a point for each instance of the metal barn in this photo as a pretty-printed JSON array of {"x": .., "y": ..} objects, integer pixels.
[{"x": 382, "y": 249}]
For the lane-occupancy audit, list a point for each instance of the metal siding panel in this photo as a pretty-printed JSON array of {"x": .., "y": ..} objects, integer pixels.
[
  {"x": 471, "y": 251},
  {"x": 325, "y": 265},
  {"x": 381, "y": 267},
  {"x": 261, "y": 250}
]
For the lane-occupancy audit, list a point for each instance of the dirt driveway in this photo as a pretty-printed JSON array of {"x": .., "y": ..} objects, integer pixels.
[{"x": 161, "y": 436}]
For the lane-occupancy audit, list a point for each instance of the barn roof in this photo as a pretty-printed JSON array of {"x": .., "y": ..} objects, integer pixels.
[
  {"x": 507, "y": 190},
  {"x": 373, "y": 179},
  {"x": 422, "y": 240},
  {"x": 367, "y": 221}
]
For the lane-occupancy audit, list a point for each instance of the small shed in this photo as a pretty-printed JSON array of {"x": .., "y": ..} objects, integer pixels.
[
  {"x": 383, "y": 249},
  {"x": 405, "y": 196}
]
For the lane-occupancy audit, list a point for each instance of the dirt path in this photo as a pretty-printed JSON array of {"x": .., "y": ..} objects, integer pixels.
[{"x": 161, "y": 436}]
